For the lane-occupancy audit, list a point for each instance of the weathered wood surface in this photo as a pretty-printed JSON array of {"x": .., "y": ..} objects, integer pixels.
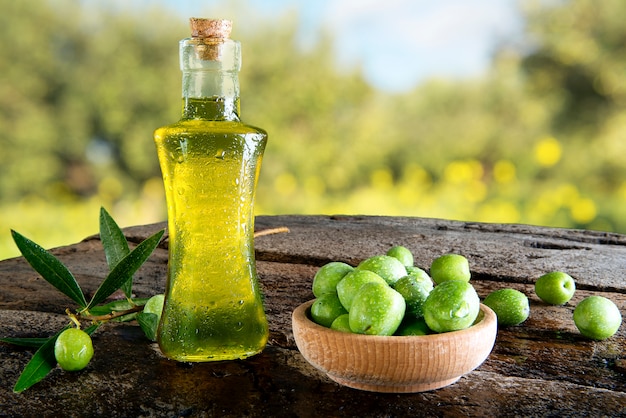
[{"x": 541, "y": 368}]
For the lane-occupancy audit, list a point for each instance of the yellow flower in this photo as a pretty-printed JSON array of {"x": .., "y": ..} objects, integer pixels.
[
  {"x": 463, "y": 171},
  {"x": 583, "y": 210},
  {"x": 548, "y": 152},
  {"x": 504, "y": 171}
]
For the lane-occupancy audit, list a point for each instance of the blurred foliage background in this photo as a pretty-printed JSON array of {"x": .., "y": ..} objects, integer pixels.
[{"x": 539, "y": 139}]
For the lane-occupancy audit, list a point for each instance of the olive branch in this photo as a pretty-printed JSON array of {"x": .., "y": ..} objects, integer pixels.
[{"x": 122, "y": 263}]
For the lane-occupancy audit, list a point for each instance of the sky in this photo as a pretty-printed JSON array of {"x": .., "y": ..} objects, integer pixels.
[{"x": 397, "y": 43}]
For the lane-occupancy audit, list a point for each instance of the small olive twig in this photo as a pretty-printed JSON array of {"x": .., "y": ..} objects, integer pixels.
[
  {"x": 73, "y": 317},
  {"x": 271, "y": 231},
  {"x": 108, "y": 317},
  {"x": 112, "y": 315}
]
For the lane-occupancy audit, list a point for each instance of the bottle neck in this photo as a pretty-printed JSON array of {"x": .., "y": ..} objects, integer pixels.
[
  {"x": 210, "y": 78},
  {"x": 210, "y": 95}
]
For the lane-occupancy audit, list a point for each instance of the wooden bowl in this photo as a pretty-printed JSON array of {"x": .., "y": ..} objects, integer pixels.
[{"x": 394, "y": 364}]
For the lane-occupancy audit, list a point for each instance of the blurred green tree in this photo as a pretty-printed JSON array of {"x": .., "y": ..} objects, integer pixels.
[
  {"x": 81, "y": 97},
  {"x": 579, "y": 65},
  {"x": 538, "y": 139}
]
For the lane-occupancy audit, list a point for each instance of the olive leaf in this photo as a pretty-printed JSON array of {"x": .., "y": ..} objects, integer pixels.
[
  {"x": 50, "y": 268},
  {"x": 117, "y": 306},
  {"x": 125, "y": 268},
  {"x": 115, "y": 246},
  {"x": 40, "y": 365},
  {"x": 25, "y": 341},
  {"x": 149, "y": 323}
]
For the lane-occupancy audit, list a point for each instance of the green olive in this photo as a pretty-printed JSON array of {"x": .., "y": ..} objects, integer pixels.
[{"x": 73, "y": 349}]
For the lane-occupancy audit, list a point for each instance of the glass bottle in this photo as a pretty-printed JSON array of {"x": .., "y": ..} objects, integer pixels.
[{"x": 210, "y": 163}]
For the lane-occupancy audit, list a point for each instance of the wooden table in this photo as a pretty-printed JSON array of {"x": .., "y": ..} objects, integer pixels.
[{"x": 541, "y": 368}]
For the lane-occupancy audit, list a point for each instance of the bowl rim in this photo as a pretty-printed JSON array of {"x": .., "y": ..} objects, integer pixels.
[{"x": 486, "y": 318}]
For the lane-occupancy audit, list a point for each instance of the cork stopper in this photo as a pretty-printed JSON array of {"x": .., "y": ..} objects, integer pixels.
[
  {"x": 208, "y": 35},
  {"x": 210, "y": 28}
]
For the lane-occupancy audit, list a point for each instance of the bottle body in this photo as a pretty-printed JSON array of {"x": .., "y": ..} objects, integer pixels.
[
  {"x": 213, "y": 308},
  {"x": 210, "y": 162}
]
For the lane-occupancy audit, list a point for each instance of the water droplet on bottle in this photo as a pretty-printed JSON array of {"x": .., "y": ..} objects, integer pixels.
[{"x": 220, "y": 154}]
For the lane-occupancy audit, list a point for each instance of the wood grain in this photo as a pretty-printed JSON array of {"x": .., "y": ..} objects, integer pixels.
[{"x": 541, "y": 368}]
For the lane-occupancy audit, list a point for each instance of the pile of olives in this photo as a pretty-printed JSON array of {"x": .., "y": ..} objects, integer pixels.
[{"x": 388, "y": 295}]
